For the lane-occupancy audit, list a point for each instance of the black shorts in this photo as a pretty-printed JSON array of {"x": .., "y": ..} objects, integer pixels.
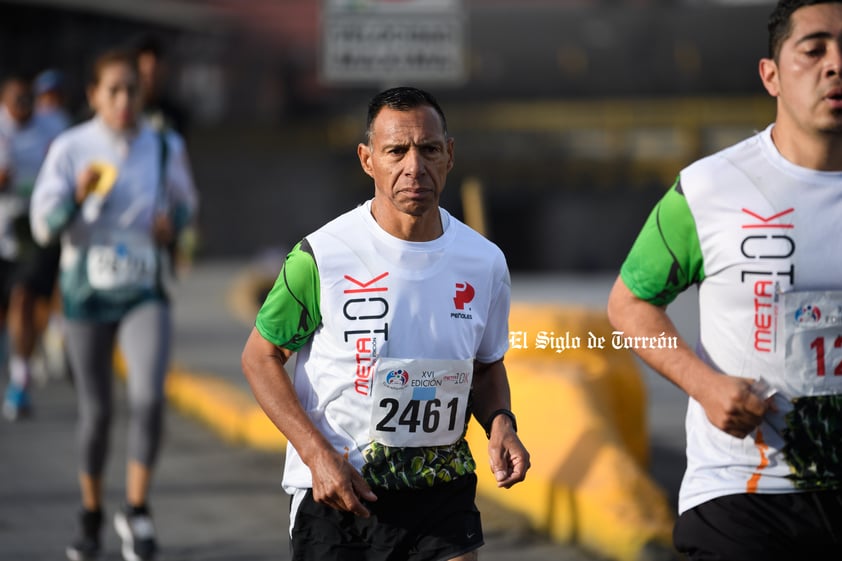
[
  {"x": 413, "y": 525},
  {"x": 38, "y": 270},
  {"x": 749, "y": 527}
]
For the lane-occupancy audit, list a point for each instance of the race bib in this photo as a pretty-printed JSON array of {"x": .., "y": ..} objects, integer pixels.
[
  {"x": 122, "y": 260},
  {"x": 419, "y": 402},
  {"x": 811, "y": 323}
]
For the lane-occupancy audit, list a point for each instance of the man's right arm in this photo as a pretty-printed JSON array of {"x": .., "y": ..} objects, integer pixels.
[
  {"x": 335, "y": 481},
  {"x": 666, "y": 259},
  {"x": 286, "y": 320},
  {"x": 727, "y": 400}
]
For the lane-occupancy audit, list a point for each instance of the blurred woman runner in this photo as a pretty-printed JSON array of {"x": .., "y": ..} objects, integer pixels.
[{"x": 117, "y": 193}]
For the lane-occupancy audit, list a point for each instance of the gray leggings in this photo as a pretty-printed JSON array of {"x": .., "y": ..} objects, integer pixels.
[{"x": 144, "y": 338}]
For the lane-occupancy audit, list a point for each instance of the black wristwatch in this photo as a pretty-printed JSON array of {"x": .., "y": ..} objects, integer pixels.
[{"x": 506, "y": 412}]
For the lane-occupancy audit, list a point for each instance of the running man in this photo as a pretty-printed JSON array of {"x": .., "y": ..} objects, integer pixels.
[
  {"x": 756, "y": 227},
  {"x": 399, "y": 315},
  {"x": 27, "y": 271}
]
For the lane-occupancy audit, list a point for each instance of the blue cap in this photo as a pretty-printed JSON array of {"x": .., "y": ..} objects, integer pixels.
[{"x": 48, "y": 80}]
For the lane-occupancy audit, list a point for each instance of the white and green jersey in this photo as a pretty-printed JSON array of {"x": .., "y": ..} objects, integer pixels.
[
  {"x": 387, "y": 332},
  {"x": 760, "y": 236}
]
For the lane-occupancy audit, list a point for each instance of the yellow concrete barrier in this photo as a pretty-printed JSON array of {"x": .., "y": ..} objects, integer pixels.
[
  {"x": 581, "y": 413},
  {"x": 612, "y": 374}
]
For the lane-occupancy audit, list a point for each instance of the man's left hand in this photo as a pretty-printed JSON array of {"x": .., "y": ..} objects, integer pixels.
[{"x": 507, "y": 454}]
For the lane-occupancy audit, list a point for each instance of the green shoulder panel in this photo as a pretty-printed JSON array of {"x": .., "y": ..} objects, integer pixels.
[
  {"x": 291, "y": 313},
  {"x": 666, "y": 258}
]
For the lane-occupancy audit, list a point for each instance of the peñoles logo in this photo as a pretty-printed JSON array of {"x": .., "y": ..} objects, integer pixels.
[
  {"x": 808, "y": 314},
  {"x": 464, "y": 295}
]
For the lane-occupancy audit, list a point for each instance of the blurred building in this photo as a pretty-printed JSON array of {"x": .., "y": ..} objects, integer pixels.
[{"x": 574, "y": 115}]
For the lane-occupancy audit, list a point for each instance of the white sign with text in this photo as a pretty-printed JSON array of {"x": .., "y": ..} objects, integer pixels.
[{"x": 390, "y": 41}]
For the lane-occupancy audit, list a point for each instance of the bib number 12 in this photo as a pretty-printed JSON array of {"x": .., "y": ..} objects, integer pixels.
[{"x": 818, "y": 345}]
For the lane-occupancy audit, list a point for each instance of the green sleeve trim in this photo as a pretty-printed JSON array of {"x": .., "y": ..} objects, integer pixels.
[
  {"x": 290, "y": 314},
  {"x": 667, "y": 257}
]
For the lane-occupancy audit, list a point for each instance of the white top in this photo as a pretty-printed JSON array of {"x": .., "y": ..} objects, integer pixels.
[
  {"x": 381, "y": 296},
  {"x": 765, "y": 226}
]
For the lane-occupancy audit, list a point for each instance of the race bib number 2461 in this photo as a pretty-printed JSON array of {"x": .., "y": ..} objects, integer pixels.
[{"x": 419, "y": 402}]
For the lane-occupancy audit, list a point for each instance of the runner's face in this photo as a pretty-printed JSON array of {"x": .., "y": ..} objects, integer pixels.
[
  {"x": 807, "y": 77},
  {"x": 409, "y": 158},
  {"x": 115, "y": 96},
  {"x": 17, "y": 97}
]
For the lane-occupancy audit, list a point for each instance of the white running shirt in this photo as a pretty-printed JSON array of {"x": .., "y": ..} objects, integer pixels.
[
  {"x": 748, "y": 226},
  {"x": 379, "y": 296}
]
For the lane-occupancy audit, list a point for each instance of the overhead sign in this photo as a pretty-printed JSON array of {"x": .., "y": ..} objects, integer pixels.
[{"x": 389, "y": 41}]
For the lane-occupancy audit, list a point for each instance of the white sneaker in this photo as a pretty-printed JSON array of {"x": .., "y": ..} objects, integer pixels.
[{"x": 138, "y": 534}]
